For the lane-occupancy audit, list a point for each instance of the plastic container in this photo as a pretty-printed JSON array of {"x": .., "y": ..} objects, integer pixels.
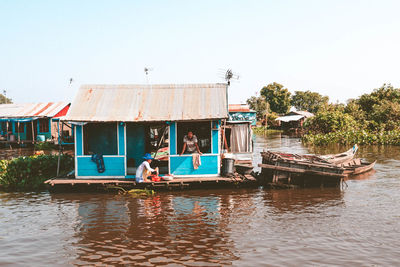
[
  {"x": 228, "y": 166},
  {"x": 41, "y": 138}
]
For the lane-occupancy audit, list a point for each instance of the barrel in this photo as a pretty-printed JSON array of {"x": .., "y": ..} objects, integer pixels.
[
  {"x": 228, "y": 166},
  {"x": 12, "y": 138}
]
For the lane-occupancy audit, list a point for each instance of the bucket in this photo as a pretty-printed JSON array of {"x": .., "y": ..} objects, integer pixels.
[
  {"x": 41, "y": 138},
  {"x": 228, "y": 166}
]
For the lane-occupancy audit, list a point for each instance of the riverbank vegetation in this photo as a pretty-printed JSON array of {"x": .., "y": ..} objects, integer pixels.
[
  {"x": 28, "y": 173},
  {"x": 370, "y": 119},
  {"x": 373, "y": 118}
]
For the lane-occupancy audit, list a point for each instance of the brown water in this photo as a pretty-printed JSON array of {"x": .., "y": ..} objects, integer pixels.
[{"x": 356, "y": 226}]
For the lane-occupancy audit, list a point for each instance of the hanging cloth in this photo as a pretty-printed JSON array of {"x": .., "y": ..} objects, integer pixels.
[{"x": 240, "y": 138}]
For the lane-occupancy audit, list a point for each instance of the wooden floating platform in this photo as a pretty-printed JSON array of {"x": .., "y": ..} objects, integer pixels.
[{"x": 84, "y": 185}]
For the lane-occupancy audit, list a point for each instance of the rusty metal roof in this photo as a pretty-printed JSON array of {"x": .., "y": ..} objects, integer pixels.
[
  {"x": 240, "y": 108},
  {"x": 134, "y": 103},
  {"x": 28, "y": 110}
]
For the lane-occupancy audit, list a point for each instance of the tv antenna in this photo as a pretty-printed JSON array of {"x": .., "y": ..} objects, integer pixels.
[
  {"x": 229, "y": 75},
  {"x": 146, "y": 72}
]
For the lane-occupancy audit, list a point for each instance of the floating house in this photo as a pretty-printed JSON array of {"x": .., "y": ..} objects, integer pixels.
[
  {"x": 294, "y": 119},
  {"x": 123, "y": 122},
  {"x": 242, "y": 112},
  {"x": 32, "y": 122}
]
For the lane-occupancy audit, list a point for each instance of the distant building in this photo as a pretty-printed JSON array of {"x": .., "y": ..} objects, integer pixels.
[
  {"x": 242, "y": 112},
  {"x": 294, "y": 119},
  {"x": 31, "y": 122}
]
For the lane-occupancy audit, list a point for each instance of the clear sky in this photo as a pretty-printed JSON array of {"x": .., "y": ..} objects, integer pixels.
[{"x": 338, "y": 48}]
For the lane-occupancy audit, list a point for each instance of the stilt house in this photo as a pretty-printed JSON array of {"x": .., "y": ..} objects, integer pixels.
[{"x": 123, "y": 122}]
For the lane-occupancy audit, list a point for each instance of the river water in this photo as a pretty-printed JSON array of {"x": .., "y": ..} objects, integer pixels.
[{"x": 355, "y": 226}]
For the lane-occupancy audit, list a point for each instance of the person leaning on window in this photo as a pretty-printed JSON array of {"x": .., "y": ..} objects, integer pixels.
[{"x": 190, "y": 145}]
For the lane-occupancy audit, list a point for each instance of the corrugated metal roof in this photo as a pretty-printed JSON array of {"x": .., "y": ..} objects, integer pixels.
[
  {"x": 132, "y": 103},
  {"x": 306, "y": 114},
  {"x": 289, "y": 118},
  {"x": 240, "y": 108},
  {"x": 27, "y": 110}
]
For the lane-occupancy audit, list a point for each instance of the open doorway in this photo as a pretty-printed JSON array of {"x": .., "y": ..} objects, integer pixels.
[{"x": 147, "y": 138}]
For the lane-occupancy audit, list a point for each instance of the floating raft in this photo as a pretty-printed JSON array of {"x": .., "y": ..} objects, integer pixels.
[
  {"x": 84, "y": 185},
  {"x": 303, "y": 171},
  {"x": 310, "y": 170}
]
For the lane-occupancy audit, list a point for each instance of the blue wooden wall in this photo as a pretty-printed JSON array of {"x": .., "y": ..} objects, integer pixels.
[
  {"x": 183, "y": 165},
  {"x": 131, "y": 144},
  {"x": 114, "y": 165}
]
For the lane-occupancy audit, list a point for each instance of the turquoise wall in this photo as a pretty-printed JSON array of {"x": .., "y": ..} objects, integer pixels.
[
  {"x": 46, "y": 134},
  {"x": 172, "y": 138},
  {"x": 79, "y": 140},
  {"x": 135, "y": 148},
  {"x": 183, "y": 165},
  {"x": 135, "y": 142},
  {"x": 115, "y": 166}
]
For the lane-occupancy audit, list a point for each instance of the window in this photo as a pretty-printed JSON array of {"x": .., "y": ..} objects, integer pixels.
[
  {"x": 20, "y": 128},
  {"x": 202, "y": 130},
  {"x": 100, "y": 138},
  {"x": 44, "y": 125}
]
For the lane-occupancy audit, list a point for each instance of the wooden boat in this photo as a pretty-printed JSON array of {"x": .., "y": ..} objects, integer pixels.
[
  {"x": 341, "y": 157},
  {"x": 306, "y": 170},
  {"x": 356, "y": 166}
]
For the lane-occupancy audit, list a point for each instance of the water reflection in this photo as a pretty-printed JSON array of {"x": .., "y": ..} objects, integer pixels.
[
  {"x": 164, "y": 229},
  {"x": 357, "y": 226},
  {"x": 302, "y": 199}
]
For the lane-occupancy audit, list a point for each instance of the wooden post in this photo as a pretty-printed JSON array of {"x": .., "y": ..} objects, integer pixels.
[
  {"x": 18, "y": 132},
  {"x": 33, "y": 133}
]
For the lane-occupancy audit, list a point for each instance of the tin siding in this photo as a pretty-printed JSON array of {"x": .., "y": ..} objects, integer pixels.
[{"x": 183, "y": 165}]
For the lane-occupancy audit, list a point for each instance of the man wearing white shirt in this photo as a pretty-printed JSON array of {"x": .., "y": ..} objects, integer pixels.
[{"x": 144, "y": 169}]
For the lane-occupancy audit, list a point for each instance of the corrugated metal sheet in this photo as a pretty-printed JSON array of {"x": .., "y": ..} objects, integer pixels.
[
  {"x": 290, "y": 118},
  {"x": 240, "y": 108},
  {"x": 27, "y": 110},
  {"x": 132, "y": 103}
]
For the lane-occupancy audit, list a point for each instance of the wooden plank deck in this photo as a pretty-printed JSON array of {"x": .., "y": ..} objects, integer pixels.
[{"x": 68, "y": 184}]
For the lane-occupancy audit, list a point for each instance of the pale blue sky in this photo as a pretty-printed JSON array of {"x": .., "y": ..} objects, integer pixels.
[{"x": 338, "y": 48}]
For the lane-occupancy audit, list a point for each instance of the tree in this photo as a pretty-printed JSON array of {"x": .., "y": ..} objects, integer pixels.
[
  {"x": 258, "y": 104},
  {"x": 5, "y": 100},
  {"x": 277, "y": 97},
  {"x": 310, "y": 101},
  {"x": 330, "y": 121}
]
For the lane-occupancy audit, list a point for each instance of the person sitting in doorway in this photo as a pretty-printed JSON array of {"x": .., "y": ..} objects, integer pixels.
[
  {"x": 190, "y": 145},
  {"x": 144, "y": 170}
]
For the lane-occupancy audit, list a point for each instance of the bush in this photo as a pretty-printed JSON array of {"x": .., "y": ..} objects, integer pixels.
[
  {"x": 29, "y": 173},
  {"x": 361, "y": 137},
  {"x": 330, "y": 121}
]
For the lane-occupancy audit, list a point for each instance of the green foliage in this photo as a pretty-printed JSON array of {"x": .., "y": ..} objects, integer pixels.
[
  {"x": 277, "y": 97},
  {"x": 29, "y": 173},
  {"x": 330, "y": 121},
  {"x": 386, "y": 92},
  {"x": 258, "y": 104},
  {"x": 371, "y": 119},
  {"x": 361, "y": 137},
  {"x": 5, "y": 100},
  {"x": 264, "y": 130},
  {"x": 309, "y": 101},
  {"x": 45, "y": 146}
]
